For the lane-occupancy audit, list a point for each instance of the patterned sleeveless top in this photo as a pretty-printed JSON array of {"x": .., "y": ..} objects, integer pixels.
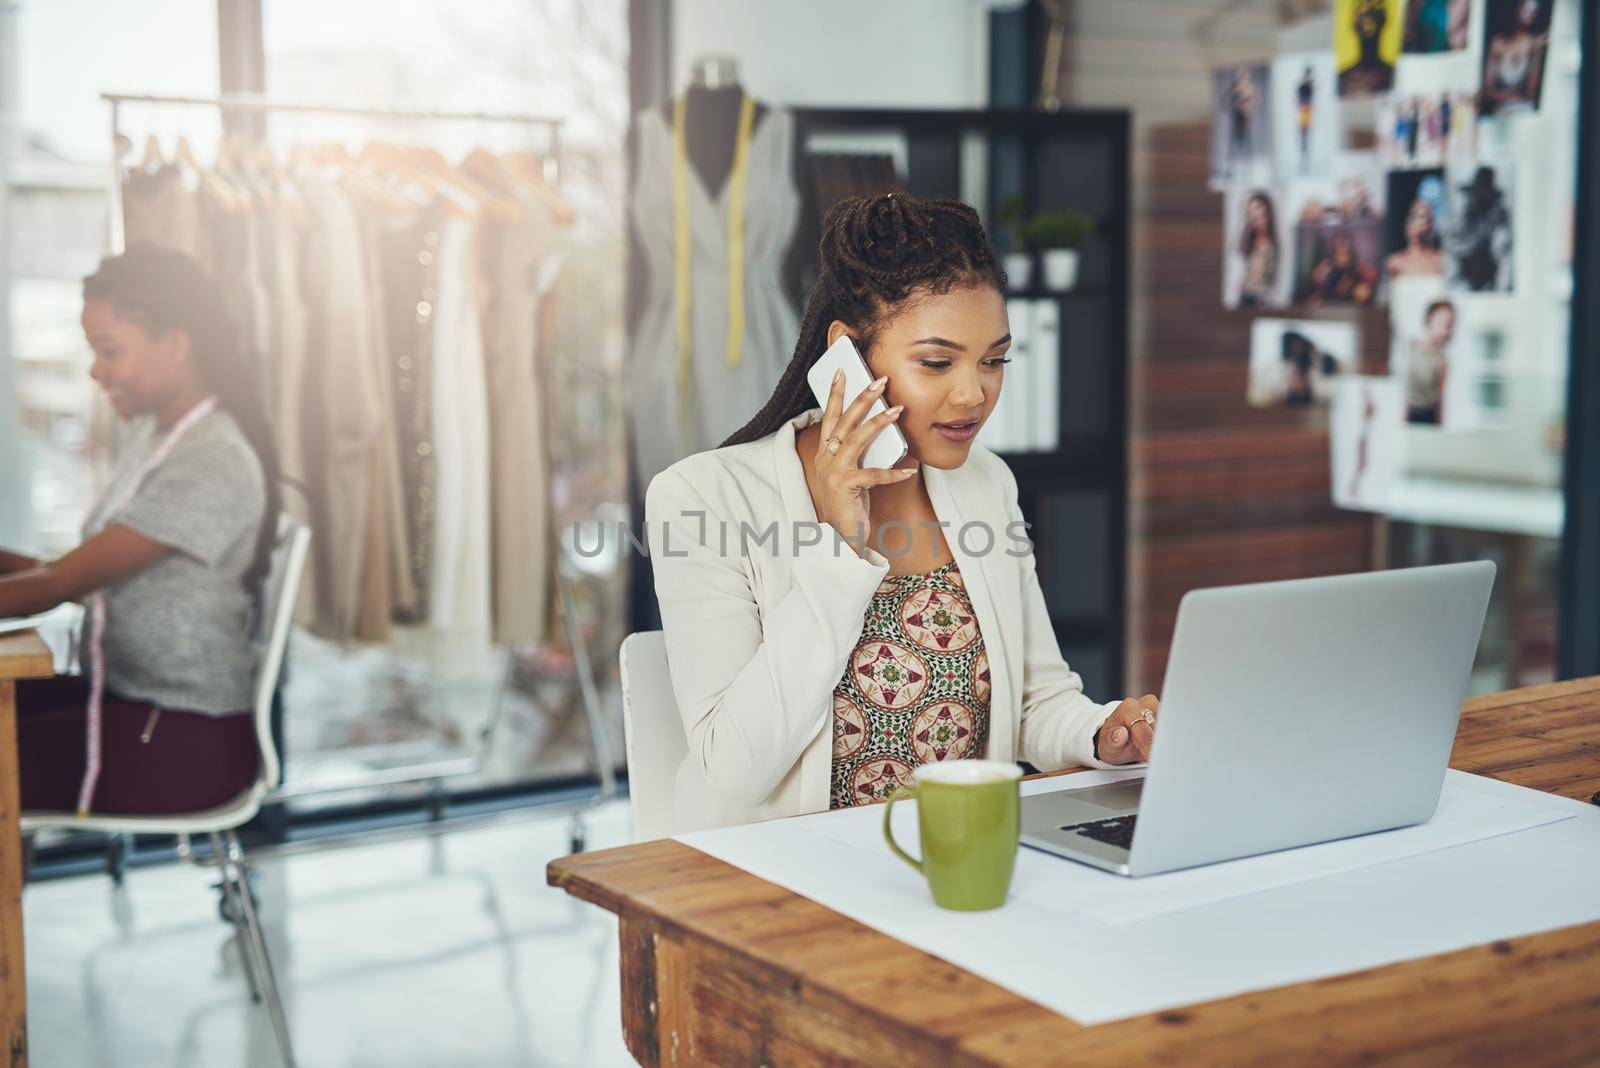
[{"x": 916, "y": 689}]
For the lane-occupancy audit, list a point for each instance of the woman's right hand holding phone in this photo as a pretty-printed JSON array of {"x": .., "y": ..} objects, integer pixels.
[{"x": 843, "y": 484}]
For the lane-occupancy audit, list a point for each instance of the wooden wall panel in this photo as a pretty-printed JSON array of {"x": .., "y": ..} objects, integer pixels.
[{"x": 1221, "y": 493}]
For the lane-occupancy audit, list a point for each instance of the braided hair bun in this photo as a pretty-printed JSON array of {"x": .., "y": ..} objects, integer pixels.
[{"x": 877, "y": 253}]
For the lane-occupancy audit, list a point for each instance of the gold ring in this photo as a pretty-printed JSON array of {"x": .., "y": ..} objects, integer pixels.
[{"x": 833, "y": 444}]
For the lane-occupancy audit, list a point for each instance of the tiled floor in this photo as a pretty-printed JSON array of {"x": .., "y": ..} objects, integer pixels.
[{"x": 438, "y": 951}]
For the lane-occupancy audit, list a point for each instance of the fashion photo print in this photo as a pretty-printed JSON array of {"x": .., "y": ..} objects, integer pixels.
[
  {"x": 1434, "y": 26},
  {"x": 1366, "y": 43},
  {"x": 1427, "y": 130},
  {"x": 1367, "y": 447},
  {"x": 1240, "y": 126},
  {"x": 1338, "y": 236},
  {"x": 1516, "y": 45},
  {"x": 1295, "y": 363},
  {"x": 1415, "y": 225},
  {"x": 1480, "y": 237},
  {"x": 1305, "y": 115},
  {"x": 1255, "y": 262}
]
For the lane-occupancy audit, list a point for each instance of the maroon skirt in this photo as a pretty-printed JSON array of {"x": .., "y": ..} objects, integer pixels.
[{"x": 191, "y": 761}]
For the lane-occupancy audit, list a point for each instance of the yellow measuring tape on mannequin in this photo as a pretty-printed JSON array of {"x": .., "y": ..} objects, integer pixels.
[
  {"x": 741, "y": 152},
  {"x": 683, "y": 248}
]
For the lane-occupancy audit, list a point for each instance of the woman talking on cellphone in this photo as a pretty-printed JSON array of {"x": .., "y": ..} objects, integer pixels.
[
  {"x": 171, "y": 564},
  {"x": 830, "y": 627}
]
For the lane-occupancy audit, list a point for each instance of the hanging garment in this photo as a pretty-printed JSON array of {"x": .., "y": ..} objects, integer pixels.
[
  {"x": 458, "y": 597},
  {"x": 520, "y": 261},
  {"x": 289, "y": 221},
  {"x": 229, "y": 245},
  {"x": 716, "y": 330},
  {"x": 159, "y": 207},
  {"x": 344, "y": 413},
  {"x": 408, "y": 253},
  {"x": 263, "y": 290},
  {"x": 300, "y": 478},
  {"x": 386, "y": 571}
]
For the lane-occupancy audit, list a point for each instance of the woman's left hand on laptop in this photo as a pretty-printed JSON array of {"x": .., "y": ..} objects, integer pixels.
[{"x": 1128, "y": 733}]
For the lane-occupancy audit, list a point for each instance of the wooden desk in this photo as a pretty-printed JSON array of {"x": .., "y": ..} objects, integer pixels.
[
  {"x": 22, "y": 656},
  {"x": 719, "y": 967}
]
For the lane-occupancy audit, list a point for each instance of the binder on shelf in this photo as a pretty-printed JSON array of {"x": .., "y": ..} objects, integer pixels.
[
  {"x": 993, "y": 436},
  {"x": 1045, "y": 389},
  {"x": 1013, "y": 412}
]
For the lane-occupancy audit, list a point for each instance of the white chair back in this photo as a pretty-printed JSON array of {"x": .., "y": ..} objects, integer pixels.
[
  {"x": 654, "y": 732},
  {"x": 281, "y": 590}
]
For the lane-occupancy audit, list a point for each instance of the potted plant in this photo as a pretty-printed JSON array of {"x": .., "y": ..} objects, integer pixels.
[
  {"x": 1059, "y": 233},
  {"x": 1018, "y": 260}
]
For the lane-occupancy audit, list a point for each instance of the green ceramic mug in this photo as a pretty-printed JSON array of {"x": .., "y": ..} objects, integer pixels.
[{"x": 969, "y": 815}]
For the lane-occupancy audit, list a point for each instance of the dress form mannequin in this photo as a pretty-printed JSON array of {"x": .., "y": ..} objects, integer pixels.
[
  {"x": 711, "y": 116},
  {"x": 715, "y": 328}
]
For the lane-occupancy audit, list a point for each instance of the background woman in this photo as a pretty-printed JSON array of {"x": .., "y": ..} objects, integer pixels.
[
  {"x": 174, "y": 552},
  {"x": 829, "y": 627}
]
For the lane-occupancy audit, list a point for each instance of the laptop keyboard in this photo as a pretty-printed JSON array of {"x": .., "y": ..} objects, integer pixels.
[{"x": 1117, "y": 831}]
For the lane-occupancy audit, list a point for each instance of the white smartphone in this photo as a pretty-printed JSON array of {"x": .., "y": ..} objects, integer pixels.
[{"x": 889, "y": 446}]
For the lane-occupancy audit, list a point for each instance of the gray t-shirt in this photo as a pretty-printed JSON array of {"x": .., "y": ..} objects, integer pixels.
[{"x": 177, "y": 633}]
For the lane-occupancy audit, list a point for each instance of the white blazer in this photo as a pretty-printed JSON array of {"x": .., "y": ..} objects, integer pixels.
[{"x": 762, "y": 608}]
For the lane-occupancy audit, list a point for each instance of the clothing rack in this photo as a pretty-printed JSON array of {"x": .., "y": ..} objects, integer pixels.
[
  {"x": 432, "y": 773},
  {"x": 261, "y": 104}
]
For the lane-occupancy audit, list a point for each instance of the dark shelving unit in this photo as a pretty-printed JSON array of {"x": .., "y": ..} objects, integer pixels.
[{"x": 1579, "y": 628}]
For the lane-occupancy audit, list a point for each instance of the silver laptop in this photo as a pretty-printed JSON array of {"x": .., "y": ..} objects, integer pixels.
[{"x": 1293, "y": 713}]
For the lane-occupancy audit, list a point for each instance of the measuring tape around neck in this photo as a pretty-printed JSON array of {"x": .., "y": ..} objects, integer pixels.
[{"x": 103, "y": 512}]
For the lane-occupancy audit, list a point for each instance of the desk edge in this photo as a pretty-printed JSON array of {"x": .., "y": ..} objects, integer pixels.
[{"x": 24, "y": 655}]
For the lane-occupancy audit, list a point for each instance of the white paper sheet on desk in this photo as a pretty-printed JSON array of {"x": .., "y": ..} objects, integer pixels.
[
  {"x": 1515, "y": 884},
  {"x": 1471, "y": 809}
]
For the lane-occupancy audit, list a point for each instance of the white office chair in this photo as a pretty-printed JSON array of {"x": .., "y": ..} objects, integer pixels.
[
  {"x": 282, "y": 587},
  {"x": 654, "y": 733}
]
